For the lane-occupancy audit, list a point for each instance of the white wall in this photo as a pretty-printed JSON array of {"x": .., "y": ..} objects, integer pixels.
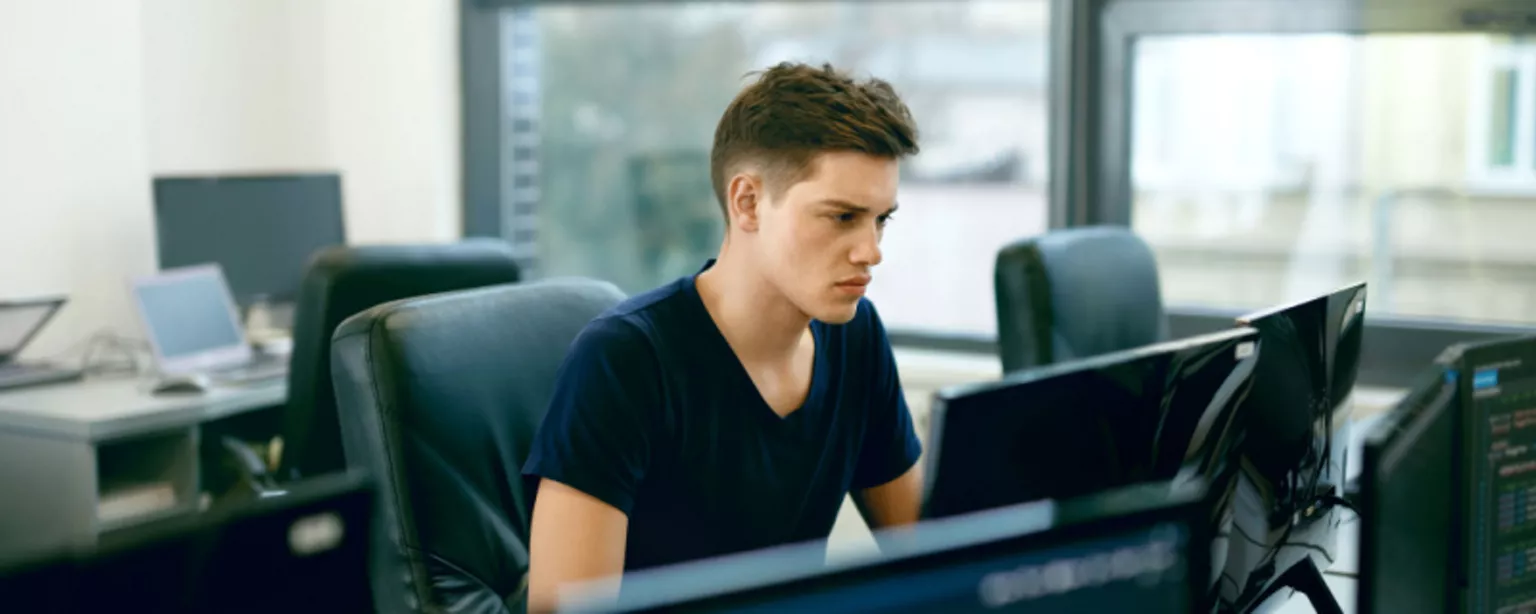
[
  {"x": 393, "y": 114},
  {"x": 366, "y": 87},
  {"x": 235, "y": 85},
  {"x": 74, "y": 196},
  {"x": 98, "y": 96}
]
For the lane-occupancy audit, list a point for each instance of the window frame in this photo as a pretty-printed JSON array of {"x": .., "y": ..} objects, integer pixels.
[
  {"x": 1088, "y": 139},
  {"x": 1519, "y": 179},
  {"x": 1396, "y": 348},
  {"x": 480, "y": 83}
]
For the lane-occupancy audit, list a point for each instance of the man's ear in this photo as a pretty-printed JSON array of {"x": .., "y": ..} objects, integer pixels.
[{"x": 744, "y": 194}]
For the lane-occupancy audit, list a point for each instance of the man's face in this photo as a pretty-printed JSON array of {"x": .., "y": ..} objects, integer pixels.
[{"x": 818, "y": 239}]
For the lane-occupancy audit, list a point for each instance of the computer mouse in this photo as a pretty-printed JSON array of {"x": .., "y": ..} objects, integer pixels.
[{"x": 181, "y": 384}]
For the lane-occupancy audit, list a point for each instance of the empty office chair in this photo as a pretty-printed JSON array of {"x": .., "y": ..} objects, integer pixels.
[
  {"x": 341, "y": 282},
  {"x": 1074, "y": 293},
  {"x": 440, "y": 398}
]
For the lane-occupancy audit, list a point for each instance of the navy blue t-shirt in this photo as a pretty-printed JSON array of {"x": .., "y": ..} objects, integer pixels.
[{"x": 653, "y": 414}]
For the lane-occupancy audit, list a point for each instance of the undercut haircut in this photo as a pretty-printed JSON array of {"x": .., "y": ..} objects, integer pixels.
[{"x": 794, "y": 112}]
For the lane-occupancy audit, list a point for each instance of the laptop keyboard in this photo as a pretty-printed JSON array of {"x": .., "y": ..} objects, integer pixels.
[{"x": 255, "y": 373}]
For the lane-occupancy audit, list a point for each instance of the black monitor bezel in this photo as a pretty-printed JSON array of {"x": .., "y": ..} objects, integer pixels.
[
  {"x": 950, "y": 395},
  {"x": 1435, "y": 391},
  {"x": 1129, "y": 508}
]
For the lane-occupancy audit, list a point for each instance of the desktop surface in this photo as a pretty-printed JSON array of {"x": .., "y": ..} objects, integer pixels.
[
  {"x": 261, "y": 229},
  {"x": 96, "y": 409}
]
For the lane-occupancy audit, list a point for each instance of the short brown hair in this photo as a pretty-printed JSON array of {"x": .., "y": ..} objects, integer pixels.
[{"x": 795, "y": 111}]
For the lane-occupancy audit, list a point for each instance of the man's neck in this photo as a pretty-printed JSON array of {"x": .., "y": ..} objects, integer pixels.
[{"x": 755, "y": 318}]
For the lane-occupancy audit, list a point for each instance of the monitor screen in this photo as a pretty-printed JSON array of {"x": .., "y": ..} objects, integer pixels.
[
  {"x": 1294, "y": 455},
  {"x": 1408, "y": 494},
  {"x": 1143, "y": 553},
  {"x": 261, "y": 229},
  {"x": 1079, "y": 427},
  {"x": 1311, "y": 357},
  {"x": 1499, "y": 381},
  {"x": 187, "y": 312},
  {"x": 304, "y": 551}
]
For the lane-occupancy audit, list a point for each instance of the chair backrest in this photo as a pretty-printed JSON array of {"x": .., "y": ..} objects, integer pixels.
[
  {"x": 440, "y": 398},
  {"x": 1075, "y": 293},
  {"x": 340, "y": 282}
]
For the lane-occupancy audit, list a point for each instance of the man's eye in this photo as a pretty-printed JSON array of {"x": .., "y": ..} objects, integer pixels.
[
  {"x": 845, "y": 217},
  {"x": 884, "y": 219}
]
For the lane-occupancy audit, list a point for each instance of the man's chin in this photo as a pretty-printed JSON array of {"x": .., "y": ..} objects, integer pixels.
[{"x": 837, "y": 314}]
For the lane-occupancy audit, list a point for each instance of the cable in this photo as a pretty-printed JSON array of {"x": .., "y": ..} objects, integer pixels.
[
  {"x": 106, "y": 353},
  {"x": 1314, "y": 547},
  {"x": 1339, "y": 501}
]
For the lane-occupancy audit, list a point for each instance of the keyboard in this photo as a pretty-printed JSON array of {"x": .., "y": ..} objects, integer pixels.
[
  {"x": 251, "y": 374},
  {"x": 18, "y": 374}
]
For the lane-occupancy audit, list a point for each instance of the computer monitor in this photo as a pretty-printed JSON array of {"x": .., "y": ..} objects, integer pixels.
[
  {"x": 1079, "y": 427},
  {"x": 1297, "y": 422},
  {"x": 1410, "y": 486},
  {"x": 1142, "y": 548},
  {"x": 190, "y": 321},
  {"x": 262, "y": 229},
  {"x": 303, "y": 551},
  {"x": 1498, "y": 388}
]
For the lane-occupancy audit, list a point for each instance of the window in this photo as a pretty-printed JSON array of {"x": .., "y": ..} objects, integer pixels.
[
  {"x": 1501, "y": 156},
  {"x": 608, "y": 112},
  {"x": 1266, "y": 167}
]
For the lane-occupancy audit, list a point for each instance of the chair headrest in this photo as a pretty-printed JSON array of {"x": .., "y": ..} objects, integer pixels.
[{"x": 1074, "y": 293}]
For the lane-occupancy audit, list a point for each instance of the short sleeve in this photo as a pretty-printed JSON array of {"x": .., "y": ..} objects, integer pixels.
[
  {"x": 890, "y": 444},
  {"x": 596, "y": 434}
]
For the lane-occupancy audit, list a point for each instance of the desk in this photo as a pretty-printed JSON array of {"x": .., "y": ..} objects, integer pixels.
[
  {"x": 77, "y": 458},
  {"x": 1341, "y": 576}
]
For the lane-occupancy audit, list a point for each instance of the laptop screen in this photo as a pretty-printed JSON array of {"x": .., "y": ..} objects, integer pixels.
[
  {"x": 18, "y": 321},
  {"x": 189, "y": 314}
]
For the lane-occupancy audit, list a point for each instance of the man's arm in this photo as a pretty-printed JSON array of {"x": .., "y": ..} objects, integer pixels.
[
  {"x": 888, "y": 481},
  {"x": 895, "y": 503},
  {"x": 574, "y": 537},
  {"x": 591, "y": 454}
]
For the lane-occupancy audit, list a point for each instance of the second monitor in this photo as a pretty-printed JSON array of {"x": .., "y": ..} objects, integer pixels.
[
  {"x": 1161, "y": 412},
  {"x": 262, "y": 229}
]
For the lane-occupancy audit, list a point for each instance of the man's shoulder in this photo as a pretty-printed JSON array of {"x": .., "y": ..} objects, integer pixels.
[
  {"x": 650, "y": 301},
  {"x": 636, "y": 323}
]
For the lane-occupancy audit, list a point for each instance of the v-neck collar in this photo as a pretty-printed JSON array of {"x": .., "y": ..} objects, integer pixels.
[{"x": 813, "y": 396}]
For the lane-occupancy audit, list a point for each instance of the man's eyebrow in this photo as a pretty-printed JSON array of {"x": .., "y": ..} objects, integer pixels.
[{"x": 855, "y": 208}]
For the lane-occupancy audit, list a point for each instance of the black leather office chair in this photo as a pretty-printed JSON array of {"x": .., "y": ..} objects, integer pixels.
[
  {"x": 341, "y": 282},
  {"x": 1075, "y": 293},
  {"x": 440, "y": 398}
]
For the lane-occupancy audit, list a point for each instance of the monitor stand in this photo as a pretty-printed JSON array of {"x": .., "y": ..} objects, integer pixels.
[{"x": 1305, "y": 578}]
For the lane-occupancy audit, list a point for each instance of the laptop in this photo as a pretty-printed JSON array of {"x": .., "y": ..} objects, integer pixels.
[
  {"x": 20, "y": 321},
  {"x": 190, "y": 321}
]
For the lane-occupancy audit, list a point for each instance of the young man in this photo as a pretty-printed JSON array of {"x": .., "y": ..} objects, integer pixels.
[{"x": 734, "y": 409}]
